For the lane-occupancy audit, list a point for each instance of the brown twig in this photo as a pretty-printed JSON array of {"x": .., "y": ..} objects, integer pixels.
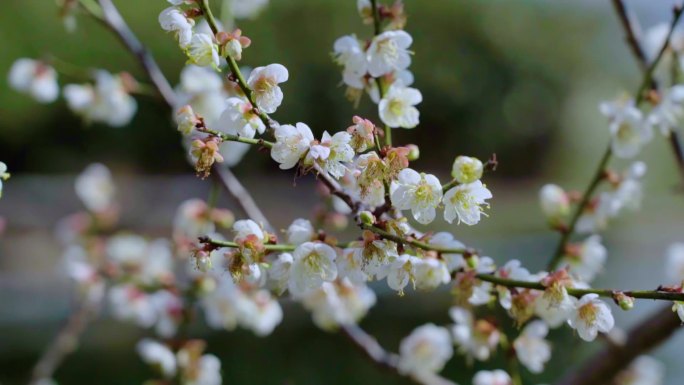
[
  {"x": 604, "y": 366},
  {"x": 239, "y": 192},
  {"x": 66, "y": 340}
]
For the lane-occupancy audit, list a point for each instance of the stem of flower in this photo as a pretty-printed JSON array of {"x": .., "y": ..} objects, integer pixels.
[
  {"x": 412, "y": 242},
  {"x": 452, "y": 183},
  {"x": 237, "y": 138}
]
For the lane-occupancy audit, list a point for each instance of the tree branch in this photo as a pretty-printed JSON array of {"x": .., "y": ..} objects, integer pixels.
[{"x": 604, "y": 366}]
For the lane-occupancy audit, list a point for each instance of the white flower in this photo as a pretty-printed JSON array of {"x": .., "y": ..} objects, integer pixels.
[
  {"x": 199, "y": 370},
  {"x": 675, "y": 262},
  {"x": 401, "y": 272},
  {"x": 588, "y": 260},
  {"x": 350, "y": 54},
  {"x": 174, "y": 20},
  {"x": 425, "y": 350},
  {"x": 590, "y": 316},
  {"x": 476, "y": 338},
  {"x": 428, "y": 273},
  {"x": 495, "y": 377},
  {"x": 465, "y": 202},
  {"x": 128, "y": 303},
  {"x": 247, "y": 9},
  {"x": 554, "y": 202},
  {"x": 202, "y": 51},
  {"x": 191, "y": 221},
  {"x": 259, "y": 312},
  {"x": 644, "y": 370},
  {"x": 300, "y": 231},
  {"x": 447, "y": 241},
  {"x": 339, "y": 303},
  {"x": 158, "y": 355},
  {"x": 107, "y": 102},
  {"x": 655, "y": 36},
  {"x": 264, "y": 82},
  {"x": 467, "y": 169},
  {"x": 597, "y": 218},
  {"x": 678, "y": 307},
  {"x": 629, "y": 130},
  {"x": 397, "y": 107},
  {"x": 221, "y": 305},
  {"x": 95, "y": 188},
  {"x": 34, "y": 78},
  {"x": 669, "y": 111},
  {"x": 554, "y": 306},
  {"x": 313, "y": 263},
  {"x": 186, "y": 119},
  {"x": 279, "y": 273},
  {"x": 421, "y": 193},
  {"x": 531, "y": 348},
  {"x": 388, "y": 52},
  {"x": 511, "y": 270},
  {"x": 629, "y": 193},
  {"x": 4, "y": 175},
  {"x": 239, "y": 116},
  {"x": 292, "y": 142},
  {"x": 247, "y": 227},
  {"x": 332, "y": 153}
]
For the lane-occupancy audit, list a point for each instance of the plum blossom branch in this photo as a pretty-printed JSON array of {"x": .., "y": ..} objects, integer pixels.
[
  {"x": 378, "y": 81},
  {"x": 575, "y": 292},
  {"x": 415, "y": 243},
  {"x": 600, "y": 171}
]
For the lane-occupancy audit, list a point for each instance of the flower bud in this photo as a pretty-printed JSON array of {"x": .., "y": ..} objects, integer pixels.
[
  {"x": 223, "y": 217},
  {"x": 203, "y": 261},
  {"x": 473, "y": 261},
  {"x": 624, "y": 301},
  {"x": 234, "y": 49},
  {"x": 186, "y": 119},
  {"x": 414, "y": 152},
  {"x": 367, "y": 218},
  {"x": 467, "y": 169},
  {"x": 554, "y": 202}
]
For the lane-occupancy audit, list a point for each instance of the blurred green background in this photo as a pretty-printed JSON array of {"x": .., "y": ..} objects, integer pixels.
[{"x": 520, "y": 78}]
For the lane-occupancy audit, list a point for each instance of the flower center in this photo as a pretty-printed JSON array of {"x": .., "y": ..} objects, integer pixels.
[
  {"x": 396, "y": 106},
  {"x": 588, "y": 313},
  {"x": 388, "y": 50}
]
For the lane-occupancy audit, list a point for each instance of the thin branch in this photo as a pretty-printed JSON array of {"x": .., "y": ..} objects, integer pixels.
[
  {"x": 66, "y": 340},
  {"x": 112, "y": 19},
  {"x": 632, "y": 29},
  {"x": 239, "y": 192},
  {"x": 370, "y": 347},
  {"x": 604, "y": 366},
  {"x": 378, "y": 81},
  {"x": 663, "y": 295},
  {"x": 417, "y": 244}
]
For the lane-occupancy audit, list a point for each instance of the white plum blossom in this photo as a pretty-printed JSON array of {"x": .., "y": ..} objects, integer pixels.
[
  {"x": 475, "y": 338},
  {"x": 34, "y": 78},
  {"x": 494, "y": 377},
  {"x": 428, "y": 273},
  {"x": 4, "y": 175},
  {"x": 95, "y": 187},
  {"x": 388, "y": 52},
  {"x": 675, "y": 262},
  {"x": 397, "y": 107},
  {"x": 239, "y": 116},
  {"x": 629, "y": 129},
  {"x": 264, "y": 82},
  {"x": 313, "y": 264},
  {"x": 174, "y": 20},
  {"x": 531, "y": 348},
  {"x": 401, "y": 272},
  {"x": 332, "y": 153},
  {"x": 259, "y": 312},
  {"x": 245, "y": 228},
  {"x": 644, "y": 370},
  {"x": 279, "y": 273},
  {"x": 350, "y": 54},
  {"x": 158, "y": 355},
  {"x": 554, "y": 202},
  {"x": 300, "y": 231},
  {"x": 199, "y": 370},
  {"x": 511, "y": 270},
  {"x": 425, "y": 351},
  {"x": 655, "y": 37},
  {"x": 108, "y": 101},
  {"x": 466, "y": 202},
  {"x": 591, "y": 316},
  {"x": 467, "y": 169},
  {"x": 292, "y": 142},
  {"x": 203, "y": 51},
  {"x": 247, "y": 9},
  {"x": 221, "y": 305},
  {"x": 587, "y": 260},
  {"x": 339, "y": 303},
  {"x": 629, "y": 192},
  {"x": 446, "y": 240},
  {"x": 555, "y": 306},
  {"x": 420, "y": 193},
  {"x": 596, "y": 219},
  {"x": 667, "y": 114}
]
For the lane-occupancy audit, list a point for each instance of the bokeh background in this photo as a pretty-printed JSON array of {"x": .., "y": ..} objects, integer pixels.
[{"x": 519, "y": 78}]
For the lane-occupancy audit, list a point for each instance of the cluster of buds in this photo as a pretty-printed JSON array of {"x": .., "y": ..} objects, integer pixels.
[
  {"x": 231, "y": 44},
  {"x": 206, "y": 151}
]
